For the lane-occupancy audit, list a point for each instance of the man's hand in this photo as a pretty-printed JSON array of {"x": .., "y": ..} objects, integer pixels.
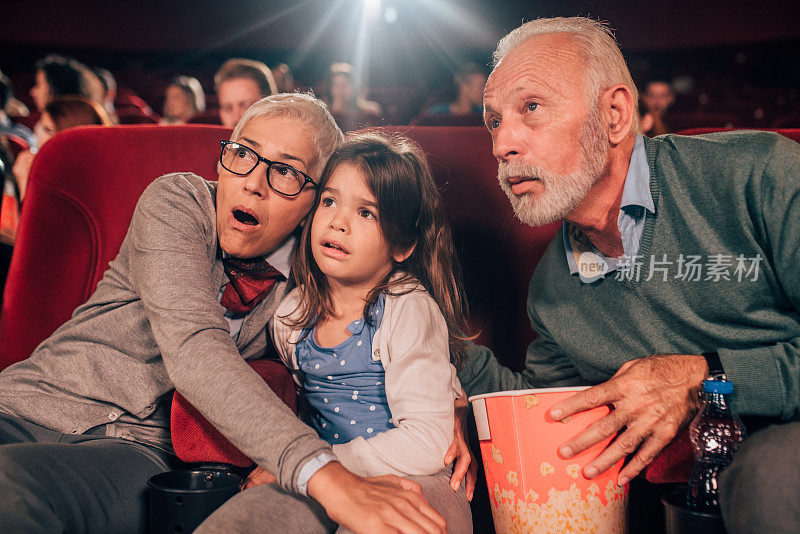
[
  {"x": 459, "y": 450},
  {"x": 374, "y": 505},
  {"x": 257, "y": 476},
  {"x": 653, "y": 397}
]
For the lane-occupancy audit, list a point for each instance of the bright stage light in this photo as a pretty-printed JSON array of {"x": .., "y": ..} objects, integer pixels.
[{"x": 372, "y": 8}]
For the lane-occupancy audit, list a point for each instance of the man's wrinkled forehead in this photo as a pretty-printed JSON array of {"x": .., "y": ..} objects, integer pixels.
[{"x": 548, "y": 61}]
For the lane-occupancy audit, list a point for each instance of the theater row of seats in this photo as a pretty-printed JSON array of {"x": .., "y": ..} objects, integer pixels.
[{"x": 86, "y": 181}]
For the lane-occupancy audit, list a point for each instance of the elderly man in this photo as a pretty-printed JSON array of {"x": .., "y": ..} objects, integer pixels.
[
  {"x": 677, "y": 260},
  {"x": 240, "y": 83},
  {"x": 84, "y": 421}
]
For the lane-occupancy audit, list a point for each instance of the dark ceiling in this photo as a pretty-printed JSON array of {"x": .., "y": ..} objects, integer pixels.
[{"x": 127, "y": 25}]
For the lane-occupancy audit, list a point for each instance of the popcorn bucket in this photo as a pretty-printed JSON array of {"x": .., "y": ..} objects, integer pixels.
[{"x": 531, "y": 487}]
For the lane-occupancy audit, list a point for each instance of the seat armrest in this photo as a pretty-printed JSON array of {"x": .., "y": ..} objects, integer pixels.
[{"x": 196, "y": 440}]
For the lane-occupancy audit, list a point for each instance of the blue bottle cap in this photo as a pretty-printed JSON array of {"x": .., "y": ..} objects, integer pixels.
[{"x": 717, "y": 386}]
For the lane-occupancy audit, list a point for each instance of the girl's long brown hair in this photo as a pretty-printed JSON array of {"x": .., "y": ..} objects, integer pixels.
[{"x": 409, "y": 213}]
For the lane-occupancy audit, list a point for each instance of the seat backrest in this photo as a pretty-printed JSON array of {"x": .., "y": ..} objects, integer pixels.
[
  {"x": 791, "y": 133},
  {"x": 447, "y": 119},
  {"x": 84, "y": 185},
  {"x": 498, "y": 253}
]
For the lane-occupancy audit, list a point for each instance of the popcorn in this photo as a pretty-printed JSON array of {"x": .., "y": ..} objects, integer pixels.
[
  {"x": 573, "y": 470},
  {"x": 546, "y": 469},
  {"x": 531, "y": 401},
  {"x": 564, "y": 511},
  {"x": 512, "y": 478},
  {"x": 496, "y": 456}
]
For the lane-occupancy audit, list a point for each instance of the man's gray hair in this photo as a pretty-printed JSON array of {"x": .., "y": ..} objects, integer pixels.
[
  {"x": 303, "y": 107},
  {"x": 605, "y": 66}
]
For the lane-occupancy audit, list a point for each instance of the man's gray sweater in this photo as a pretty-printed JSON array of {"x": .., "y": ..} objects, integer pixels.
[{"x": 718, "y": 269}]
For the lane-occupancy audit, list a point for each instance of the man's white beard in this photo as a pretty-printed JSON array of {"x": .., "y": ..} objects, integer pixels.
[{"x": 562, "y": 192}]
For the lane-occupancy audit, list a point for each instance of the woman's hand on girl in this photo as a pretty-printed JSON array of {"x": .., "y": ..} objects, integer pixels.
[{"x": 465, "y": 466}]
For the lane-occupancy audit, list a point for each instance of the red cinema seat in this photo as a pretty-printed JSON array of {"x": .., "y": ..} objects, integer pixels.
[
  {"x": 84, "y": 185},
  {"x": 128, "y": 101},
  {"x": 206, "y": 117},
  {"x": 791, "y": 133},
  {"x": 447, "y": 119},
  {"x": 498, "y": 253},
  {"x": 30, "y": 120},
  {"x": 136, "y": 116},
  {"x": 196, "y": 440}
]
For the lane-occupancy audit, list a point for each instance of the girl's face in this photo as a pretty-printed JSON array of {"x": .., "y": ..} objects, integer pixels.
[{"x": 346, "y": 238}]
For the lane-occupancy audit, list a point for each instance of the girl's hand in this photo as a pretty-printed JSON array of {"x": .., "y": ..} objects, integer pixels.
[
  {"x": 459, "y": 451},
  {"x": 257, "y": 476}
]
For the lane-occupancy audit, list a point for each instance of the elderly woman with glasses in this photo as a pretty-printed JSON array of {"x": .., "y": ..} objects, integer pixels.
[{"x": 91, "y": 403}]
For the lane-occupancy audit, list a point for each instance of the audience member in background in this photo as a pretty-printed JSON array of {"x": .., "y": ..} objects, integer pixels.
[
  {"x": 7, "y": 126},
  {"x": 470, "y": 80},
  {"x": 109, "y": 91},
  {"x": 6, "y": 211},
  {"x": 9, "y": 207},
  {"x": 347, "y": 107},
  {"x": 183, "y": 100},
  {"x": 9, "y": 211},
  {"x": 284, "y": 80},
  {"x": 657, "y": 98},
  {"x": 58, "y": 115},
  {"x": 647, "y": 120},
  {"x": 240, "y": 83},
  {"x": 62, "y": 76}
]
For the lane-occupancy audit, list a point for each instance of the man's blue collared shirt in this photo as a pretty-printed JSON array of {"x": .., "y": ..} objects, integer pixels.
[{"x": 637, "y": 200}]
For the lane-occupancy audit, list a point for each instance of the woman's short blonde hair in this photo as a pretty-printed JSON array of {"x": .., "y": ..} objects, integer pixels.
[{"x": 305, "y": 108}]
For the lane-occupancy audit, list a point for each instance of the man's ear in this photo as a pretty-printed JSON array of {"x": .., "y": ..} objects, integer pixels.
[
  {"x": 402, "y": 255},
  {"x": 618, "y": 112}
]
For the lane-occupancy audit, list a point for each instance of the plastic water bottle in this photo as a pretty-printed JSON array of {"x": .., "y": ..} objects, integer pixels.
[{"x": 716, "y": 433}]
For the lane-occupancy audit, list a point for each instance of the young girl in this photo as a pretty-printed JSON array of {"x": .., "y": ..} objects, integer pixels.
[{"x": 377, "y": 318}]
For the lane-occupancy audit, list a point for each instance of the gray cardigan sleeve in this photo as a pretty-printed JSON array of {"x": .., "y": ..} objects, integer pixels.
[{"x": 173, "y": 237}]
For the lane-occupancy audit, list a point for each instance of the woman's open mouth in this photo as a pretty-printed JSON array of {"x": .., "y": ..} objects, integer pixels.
[{"x": 244, "y": 218}]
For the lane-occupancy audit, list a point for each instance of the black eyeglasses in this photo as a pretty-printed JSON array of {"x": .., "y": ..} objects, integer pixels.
[{"x": 282, "y": 178}]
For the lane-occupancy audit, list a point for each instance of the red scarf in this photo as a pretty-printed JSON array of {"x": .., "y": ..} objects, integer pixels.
[{"x": 250, "y": 281}]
